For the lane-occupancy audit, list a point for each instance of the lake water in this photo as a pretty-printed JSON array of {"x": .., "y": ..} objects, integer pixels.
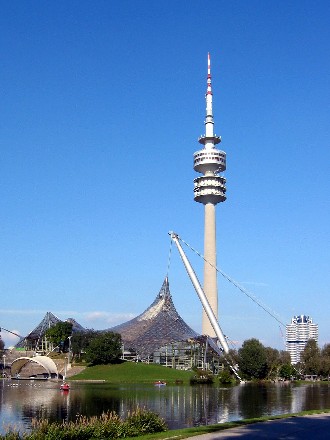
[{"x": 181, "y": 406}]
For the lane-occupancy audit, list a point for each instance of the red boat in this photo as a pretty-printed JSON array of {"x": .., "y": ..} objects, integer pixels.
[{"x": 64, "y": 386}]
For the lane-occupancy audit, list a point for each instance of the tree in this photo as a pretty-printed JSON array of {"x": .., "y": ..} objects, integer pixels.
[
  {"x": 287, "y": 371},
  {"x": 2, "y": 345},
  {"x": 275, "y": 359},
  {"x": 272, "y": 361},
  {"x": 310, "y": 357},
  {"x": 104, "y": 349},
  {"x": 225, "y": 378},
  {"x": 325, "y": 361},
  {"x": 80, "y": 341},
  {"x": 284, "y": 357},
  {"x": 58, "y": 335},
  {"x": 326, "y": 350},
  {"x": 252, "y": 360}
]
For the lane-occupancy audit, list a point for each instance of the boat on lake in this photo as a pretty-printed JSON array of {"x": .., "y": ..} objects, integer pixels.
[{"x": 65, "y": 386}]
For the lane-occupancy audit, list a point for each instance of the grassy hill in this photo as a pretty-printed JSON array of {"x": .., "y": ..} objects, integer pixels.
[{"x": 131, "y": 372}]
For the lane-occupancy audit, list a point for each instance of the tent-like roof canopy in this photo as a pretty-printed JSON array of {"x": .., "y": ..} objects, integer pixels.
[
  {"x": 48, "y": 321},
  {"x": 157, "y": 326}
]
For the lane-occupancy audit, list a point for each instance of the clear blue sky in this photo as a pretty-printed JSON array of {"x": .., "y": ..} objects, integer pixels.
[{"x": 101, "y": 107}]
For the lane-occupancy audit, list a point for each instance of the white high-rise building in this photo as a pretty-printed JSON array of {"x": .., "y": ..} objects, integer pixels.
[{"x": 298, "y": 333}]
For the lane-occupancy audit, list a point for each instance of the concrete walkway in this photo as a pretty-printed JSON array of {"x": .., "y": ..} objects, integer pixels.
[
  {"x": 314, "y": 427},
  {"x": 74, "y": 370}
]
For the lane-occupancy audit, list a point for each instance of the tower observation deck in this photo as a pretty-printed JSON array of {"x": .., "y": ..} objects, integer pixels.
[{"x": 210, "y": 189}]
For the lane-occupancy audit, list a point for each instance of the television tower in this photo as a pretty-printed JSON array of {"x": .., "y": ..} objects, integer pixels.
[{"x": 210, "y": 189}]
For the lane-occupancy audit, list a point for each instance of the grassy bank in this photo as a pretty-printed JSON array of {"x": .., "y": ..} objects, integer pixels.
[
  {"x": 131, "y": 372},
  {"x": 191, "y": 432}
]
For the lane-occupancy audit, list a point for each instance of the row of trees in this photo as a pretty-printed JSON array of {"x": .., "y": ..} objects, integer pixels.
[
  {"x": 255, "y": 361},
  {"x": 95, "y": 347},
  {"x": 258, "y": 362},
  {"x": 314, "y": 360}
]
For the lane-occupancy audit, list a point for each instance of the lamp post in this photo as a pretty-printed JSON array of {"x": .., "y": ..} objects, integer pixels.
[
  {"x": 69, "y": 355},
  {"x": 65, "y": 367},
  {"x": 4, "y": 362}
]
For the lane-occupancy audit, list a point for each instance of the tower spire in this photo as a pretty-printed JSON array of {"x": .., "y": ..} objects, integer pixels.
[
  {"x": 209, "y": 110},
  {"x": 209, "y": 82},
  {"x": 210, "y": 189}
]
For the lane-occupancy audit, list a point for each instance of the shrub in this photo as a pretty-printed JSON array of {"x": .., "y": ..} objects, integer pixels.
[
  {"x": 201, "y": 376},
  {"x": 225, "y": 378},
  {"x": 144, "y": 422},
  {"x": 108, "y": 426}
]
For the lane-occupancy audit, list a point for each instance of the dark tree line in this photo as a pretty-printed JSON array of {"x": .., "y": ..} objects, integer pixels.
[
  {"x": 315, "y": 361},
  {"x": 255, "y": 361},
  {"x": 92, "y": 346},
  {"x": 96, "y": 347}
]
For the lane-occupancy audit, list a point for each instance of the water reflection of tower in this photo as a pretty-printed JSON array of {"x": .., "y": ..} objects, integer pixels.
[{"x": 209, "y": 189}]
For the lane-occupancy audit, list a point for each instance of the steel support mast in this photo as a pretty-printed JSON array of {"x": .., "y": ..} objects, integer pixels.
[
  {"x": 208, "y": 309},
  {"x": 206, "y": 306}
]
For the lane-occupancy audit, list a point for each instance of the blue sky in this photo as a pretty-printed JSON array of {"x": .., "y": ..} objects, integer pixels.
[{"x": 101, "y": 107}]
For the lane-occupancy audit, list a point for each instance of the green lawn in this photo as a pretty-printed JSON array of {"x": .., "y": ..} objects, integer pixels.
[
  {"x": 191, "y": 432},
  {"x": 131, "y": 372}
]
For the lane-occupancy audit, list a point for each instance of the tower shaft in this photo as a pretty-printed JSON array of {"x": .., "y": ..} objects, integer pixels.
[{"x": 210, "y": 273}]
